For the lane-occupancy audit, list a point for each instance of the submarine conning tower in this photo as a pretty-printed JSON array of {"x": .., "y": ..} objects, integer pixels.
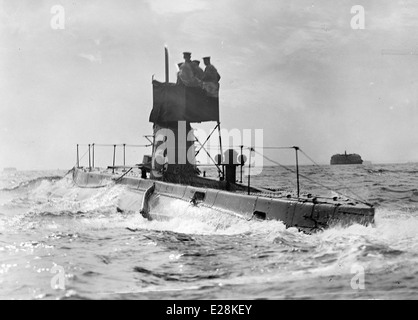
[{"x": 175, "y": 107}]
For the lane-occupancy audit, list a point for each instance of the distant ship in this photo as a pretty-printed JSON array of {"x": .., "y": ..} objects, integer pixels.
[
  {"x": 345, "y": 158},
  {"x": 9, "y": 169}
]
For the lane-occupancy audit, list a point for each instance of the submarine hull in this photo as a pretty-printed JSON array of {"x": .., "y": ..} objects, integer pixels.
[{"x": 308, "y": 215}]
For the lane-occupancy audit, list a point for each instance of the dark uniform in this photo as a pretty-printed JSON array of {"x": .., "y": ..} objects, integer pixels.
[
  {"x": 210, "y": 74},
  {"x": 210, "y": 79},
  {"x": 198, "y": 72},
  {"x": 186, "y": 73}
]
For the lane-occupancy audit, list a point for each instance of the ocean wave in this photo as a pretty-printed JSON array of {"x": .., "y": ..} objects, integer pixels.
[
  {"x": 377, "y": 171},
  {"x": 201, "y": 252},
  {"x": 398, "y": 190},
  {"x": 31, "y": 183},
  {"x": 378, "y": 249},
  {"x": 179, "y": 277}
]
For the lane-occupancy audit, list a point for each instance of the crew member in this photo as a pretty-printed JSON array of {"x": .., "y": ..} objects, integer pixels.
[
  {"x": 186, "y": 73},
  {"x": 210, "y": 79},
  {"x": 198, "y": 72},
  {"x": 178, "y": 72},
  {"x": 210, "y": 74}
]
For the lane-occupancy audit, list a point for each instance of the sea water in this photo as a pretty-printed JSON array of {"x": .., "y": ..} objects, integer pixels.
[{"x": 58, "y": 241}]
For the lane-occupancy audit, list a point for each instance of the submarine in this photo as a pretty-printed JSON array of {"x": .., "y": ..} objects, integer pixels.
[{"x": 170, "y": 173}]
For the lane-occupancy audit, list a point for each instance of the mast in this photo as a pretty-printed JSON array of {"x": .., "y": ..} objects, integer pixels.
[{"x": 167, "y": 77}]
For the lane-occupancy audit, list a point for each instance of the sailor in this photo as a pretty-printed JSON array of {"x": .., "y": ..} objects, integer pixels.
[
  {"x": 210, "y": 79},
  {"x": 178, "y": 72},
  {"x": 186, "y": 73},
  {"x": 198, "y": 71},
  {"x": 210, "y": 74}
]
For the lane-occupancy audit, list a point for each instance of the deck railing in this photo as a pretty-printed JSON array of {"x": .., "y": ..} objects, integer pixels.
[{"x": 91, "y": 152}]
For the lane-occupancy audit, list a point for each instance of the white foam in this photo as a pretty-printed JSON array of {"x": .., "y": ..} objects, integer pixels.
[
  {"x": 186, "y": 218},
  {"x": 63, "y": 196}
]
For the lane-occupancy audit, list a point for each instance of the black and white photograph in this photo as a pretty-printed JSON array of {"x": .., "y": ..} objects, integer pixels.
[{"x": 208, "y": 154}]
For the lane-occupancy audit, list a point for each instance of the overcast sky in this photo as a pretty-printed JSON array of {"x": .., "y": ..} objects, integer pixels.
[{"x": 295, "y": 69}]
